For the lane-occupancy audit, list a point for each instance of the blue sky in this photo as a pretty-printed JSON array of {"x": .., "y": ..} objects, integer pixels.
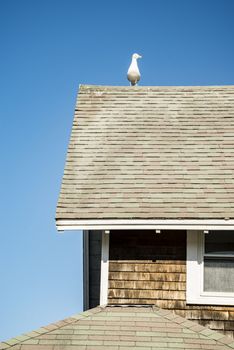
[{"x": 48, "y": 48}]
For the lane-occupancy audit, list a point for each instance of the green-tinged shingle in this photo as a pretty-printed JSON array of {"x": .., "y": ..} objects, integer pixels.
[{"x": 123, "y": 333}]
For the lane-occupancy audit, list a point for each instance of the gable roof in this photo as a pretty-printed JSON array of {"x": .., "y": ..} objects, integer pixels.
[
  {"x": 122, "y": 328},
  {"x": 150, "y": 153}
]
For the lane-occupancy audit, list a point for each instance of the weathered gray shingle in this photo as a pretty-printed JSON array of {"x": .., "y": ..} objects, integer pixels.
[
  {"x": 122, "y": 328},
  {"x": 150, "y": 153}
]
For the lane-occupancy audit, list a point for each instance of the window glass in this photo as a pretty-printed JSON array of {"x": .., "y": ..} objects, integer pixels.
[
  {"x": 218, "y": 275},
  {"x": 219, "y": 242}
]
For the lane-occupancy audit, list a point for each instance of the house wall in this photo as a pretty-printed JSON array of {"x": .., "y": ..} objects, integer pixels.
[
  {"x": 150, "y": 268},
  {"x": 92, "y": 270}
]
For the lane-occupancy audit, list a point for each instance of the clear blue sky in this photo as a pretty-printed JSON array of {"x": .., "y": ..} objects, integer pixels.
[{"x": 48, "y": 48}]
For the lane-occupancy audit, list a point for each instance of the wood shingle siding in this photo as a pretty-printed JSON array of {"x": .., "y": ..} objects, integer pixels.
[
  {"x": 146, "y": 265},
  {"x": 149, "y": 268}
]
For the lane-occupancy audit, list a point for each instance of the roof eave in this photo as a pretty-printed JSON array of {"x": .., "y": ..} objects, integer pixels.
[{"x": 138, "y": 224}]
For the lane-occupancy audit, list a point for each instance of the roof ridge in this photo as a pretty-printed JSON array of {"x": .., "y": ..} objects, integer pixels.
[
  {"x": 193, "y": 326},
  {"x": 132, "y": 88}
]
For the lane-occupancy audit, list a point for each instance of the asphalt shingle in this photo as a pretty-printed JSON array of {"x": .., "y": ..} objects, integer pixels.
[
  {"x": 150, "y": 153},
  {"x": 123, "y": 328}
]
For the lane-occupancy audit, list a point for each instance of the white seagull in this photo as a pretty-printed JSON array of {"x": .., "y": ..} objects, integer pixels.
[{"x": 133, "y": 70}]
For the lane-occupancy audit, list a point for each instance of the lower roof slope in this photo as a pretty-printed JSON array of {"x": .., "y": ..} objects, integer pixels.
[
  {"x": 150, "y": 153},
  {"x": 122, "y": 328}
]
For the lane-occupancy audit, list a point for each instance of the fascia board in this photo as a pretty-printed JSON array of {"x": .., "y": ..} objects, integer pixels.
[{"x": 219, "y": 224}]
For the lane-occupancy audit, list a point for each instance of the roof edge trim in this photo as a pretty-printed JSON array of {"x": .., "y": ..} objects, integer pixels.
[{"x": 167, "y": 224}]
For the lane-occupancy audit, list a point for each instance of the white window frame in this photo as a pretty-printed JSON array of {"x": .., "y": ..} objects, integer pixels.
[
  {"x": 104, "y": 268},
  {"x": 195, "y": 269}
]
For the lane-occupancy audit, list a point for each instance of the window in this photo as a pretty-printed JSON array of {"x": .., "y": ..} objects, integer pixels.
[{"x": 210, "y": 267}]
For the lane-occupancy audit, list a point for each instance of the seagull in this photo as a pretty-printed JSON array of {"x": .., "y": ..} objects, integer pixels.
[{"x": 133, "y": 71}]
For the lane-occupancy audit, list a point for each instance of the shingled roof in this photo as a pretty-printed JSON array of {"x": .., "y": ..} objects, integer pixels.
[
  {"x": 122, "y": 328},
  {"x": 150, "y": 153}
]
